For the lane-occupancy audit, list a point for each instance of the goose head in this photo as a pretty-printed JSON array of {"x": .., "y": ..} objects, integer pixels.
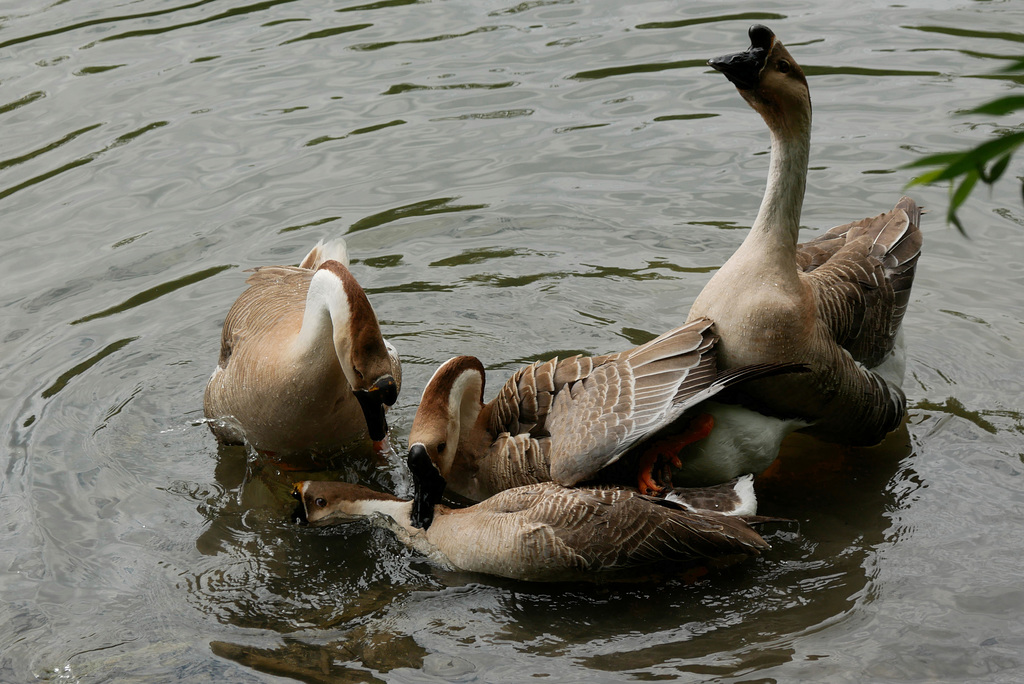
[
  {"x": 448, "y": 411},
  {"x": 362, "y": 352},
  {"x": 770, "y": 81},
  {"x": 332, "y": 503}
]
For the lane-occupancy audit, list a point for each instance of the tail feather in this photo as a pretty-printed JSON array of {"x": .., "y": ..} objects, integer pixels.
[
  {"x": 763, "y": 519},
  {"x": 686, "y": 395},
  {"x": 333, "y": 250},
  {"x": 759, "y": 370},
  {"x": 901, "y": 258}
]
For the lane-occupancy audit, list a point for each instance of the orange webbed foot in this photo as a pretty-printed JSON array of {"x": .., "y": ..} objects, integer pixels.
[
  {"x": 669, "y": 449},
  {"x": 645, "y": 476}
]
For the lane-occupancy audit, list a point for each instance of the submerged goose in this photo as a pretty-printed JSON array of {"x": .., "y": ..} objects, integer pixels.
[
  {"x": 547, "y": 532},
  {"x": 303, "y": 366},
  {"x": 579, "y": 419},
  {"x": 835, "y": 303}
]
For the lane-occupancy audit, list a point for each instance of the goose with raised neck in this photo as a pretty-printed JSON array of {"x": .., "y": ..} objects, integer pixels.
[{"x": 835, "y": 303}]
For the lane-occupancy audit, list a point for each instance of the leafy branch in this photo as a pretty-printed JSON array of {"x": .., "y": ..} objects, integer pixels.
[{"x": 987, "y": 162}]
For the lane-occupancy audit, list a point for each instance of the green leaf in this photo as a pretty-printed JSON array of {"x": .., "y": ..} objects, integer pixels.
[
  {"x": 935, "y": 159},
  {"x": 929, "y": 178},
  {"x": 1003, "y": 105},
  {"x": 1018, "y": 65},
  {"x": 979, "y": 156},
  {"x": 963, "y": 190},
  {"x": 986, "y": 162},
  {"x": 997, "y": 169},
  {"x": 951, "y": 217}
]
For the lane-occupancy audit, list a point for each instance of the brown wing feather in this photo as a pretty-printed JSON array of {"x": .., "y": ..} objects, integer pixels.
[
  {"x": 614, "y": 528},
  {"x": 512, "y": 461},
  {"x": 549, "y": 532},
  {"x": 524, "y": 401},
  {"x": 595, "y": 420},
  {"x": 861, "y": 292},
  {"x": 861, "y": 274}
]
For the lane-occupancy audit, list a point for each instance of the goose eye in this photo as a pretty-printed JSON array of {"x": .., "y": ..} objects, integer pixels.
[
  {"x": 320, "y": 501},
  {"x": 784, "y": 67},
  {"x": 441, "y": 446},
  {"x": 359, "y": 376}
]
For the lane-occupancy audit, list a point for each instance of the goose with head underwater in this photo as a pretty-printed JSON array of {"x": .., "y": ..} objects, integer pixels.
[
  {"x": 303, "y": 366},
  {"x": 835, "y": 303},
  {"x": 618, "y": 418},
  {"x": 547, "y": 532}
]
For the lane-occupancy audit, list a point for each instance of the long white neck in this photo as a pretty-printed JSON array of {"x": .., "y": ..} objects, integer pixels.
[
  {"x": 774, "y": 233},
  {"x": 463, "y": 409},
  {"x": 397, "y": 517},
  {"x": 397, "y": 511},
  {"x": 325, "y": 320}
]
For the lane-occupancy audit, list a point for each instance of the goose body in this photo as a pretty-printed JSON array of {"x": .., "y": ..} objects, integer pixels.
[
  {"x": 547, "y": 532},
  {"x": 835, "y": 303},
  {"x": 303, "y": 366},
  {"x": 572, "y": 420}
]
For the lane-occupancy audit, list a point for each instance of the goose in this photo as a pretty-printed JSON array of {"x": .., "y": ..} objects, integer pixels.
[
  {"x": 835, "y": 303},
  {"x": 303, "y": 366},
  {"x": 546, "y": 532},
  {"x": 611, "y": 418}
]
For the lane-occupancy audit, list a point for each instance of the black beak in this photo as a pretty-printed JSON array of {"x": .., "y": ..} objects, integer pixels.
[
  {"x": 299, "y": 514},
  {"x": 428, "y": 486},
  {"x": 372, "y": 401},
  {"x": 743, "y": 69},
  {"x": 388, "y": 389}
]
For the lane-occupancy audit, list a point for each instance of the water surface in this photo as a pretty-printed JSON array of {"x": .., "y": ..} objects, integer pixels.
[{"x": 515, "y": 181}]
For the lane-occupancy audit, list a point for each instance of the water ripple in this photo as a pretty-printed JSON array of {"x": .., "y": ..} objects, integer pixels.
[
  {"x": 81, "y": 161},
  {"x": 228, "y": 14},
  {"x": 154, "y": 293},
  {"x": 22, "y": 101},
  {"x": 572, "y": 165},
  {"x": 67, "y": 376},
  {"x": 370, "y": 47},
  {"x": 742, "y": 16},
  {"x": 328, "y": 33},
  {"x": 442, "y": 205},
  {"x": 99, "y": 22},
  {"x": 609, "y": 72},
  {"x": 6, "y": 163}
]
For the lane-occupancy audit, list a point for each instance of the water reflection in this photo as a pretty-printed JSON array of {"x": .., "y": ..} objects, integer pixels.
[
  {"x": 266, "y": 573},
  {"x": 374, "y": 606},
  {"x": 263, "y": 571}
]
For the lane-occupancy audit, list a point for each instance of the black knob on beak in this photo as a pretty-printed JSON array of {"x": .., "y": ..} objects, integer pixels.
[{"x": 428, "y": 486}]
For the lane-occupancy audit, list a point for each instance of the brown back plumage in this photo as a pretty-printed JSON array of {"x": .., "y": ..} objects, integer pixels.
[{"x": 547, "y": 532}]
